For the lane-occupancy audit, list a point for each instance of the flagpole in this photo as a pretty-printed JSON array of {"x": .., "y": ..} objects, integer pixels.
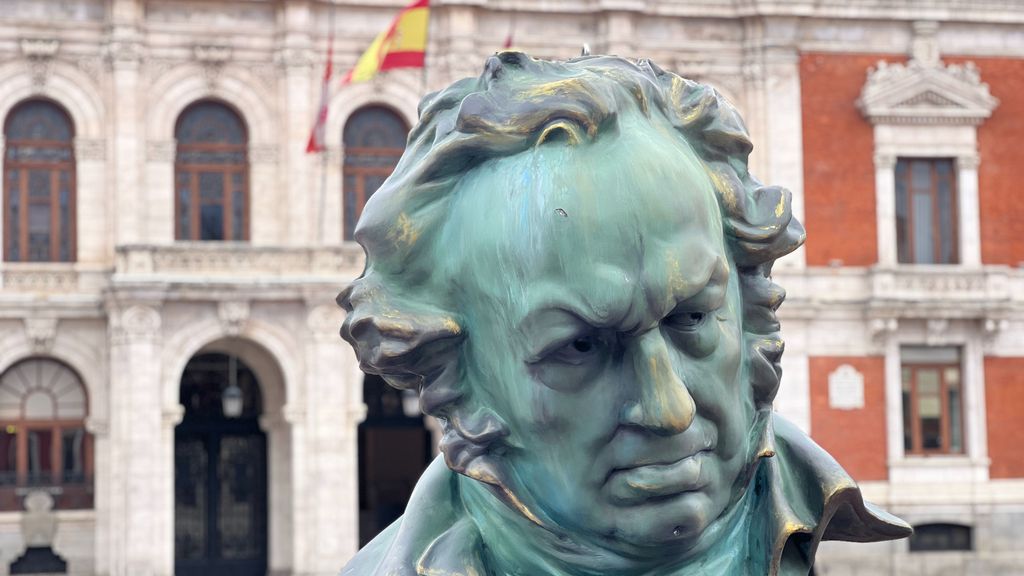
[{"x": 323, "y": 153}]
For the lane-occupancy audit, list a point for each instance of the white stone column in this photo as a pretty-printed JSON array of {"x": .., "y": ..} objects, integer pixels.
[
  {"x": 885, "y": 209},
  {"x": 970, "y": 218},
  {"x": 103, "y": 468},
  {"x": 139, "y": 525},
  {"x": 298, "y": 191},
  {"x": 93, "y": 240},
  {"x": 773, "y": 75},
  {"x": 124, "y": 50},
  {"x": 332, "y": 437},
  {"x": 160, "y": 192}
]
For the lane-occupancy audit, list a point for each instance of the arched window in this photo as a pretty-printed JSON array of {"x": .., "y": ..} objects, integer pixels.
[
  {"x": 43, "y": 441},
  {"x": 211, "y": 174},
  {"x": 374, "y": 140},
  {"x": 39, "y": 184}
]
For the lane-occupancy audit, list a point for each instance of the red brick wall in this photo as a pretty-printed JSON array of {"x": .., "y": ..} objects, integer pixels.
[
  {"x": 999, "y": 141},
  {"x": 1004, "y": 397},
  {"x": 856, "y": 438},
  {"x": 839, "y": 169}
]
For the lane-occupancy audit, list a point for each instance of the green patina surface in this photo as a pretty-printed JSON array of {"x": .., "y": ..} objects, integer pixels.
[{"x": 571, "y": 265}]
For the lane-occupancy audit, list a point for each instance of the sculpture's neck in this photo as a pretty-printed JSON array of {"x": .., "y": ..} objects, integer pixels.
[{"x": 515, "y": 546}]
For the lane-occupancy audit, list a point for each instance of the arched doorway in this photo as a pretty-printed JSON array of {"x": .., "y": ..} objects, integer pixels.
[
  {"x": 394, "y": 449},
  {"x": 220, "y": 471}
]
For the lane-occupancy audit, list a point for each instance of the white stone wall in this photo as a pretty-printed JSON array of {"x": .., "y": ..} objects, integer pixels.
[{"x": 135, "y": 306}]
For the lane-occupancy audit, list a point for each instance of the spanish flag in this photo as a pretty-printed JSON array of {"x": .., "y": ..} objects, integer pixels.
[{"x": 402, "y": 45}]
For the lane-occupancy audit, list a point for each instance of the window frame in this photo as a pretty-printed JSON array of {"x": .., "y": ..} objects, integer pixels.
[
  {"x": 68, "y": 494},
  {"x": 225, "y": 170},
  {"x": 946, "y": 416},
  {"x": 906, "y": 244},
  {"x": 53, "y": 201}
]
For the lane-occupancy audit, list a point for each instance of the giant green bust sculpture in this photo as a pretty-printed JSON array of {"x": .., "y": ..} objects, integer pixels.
[{"x": 571, "y": 265}]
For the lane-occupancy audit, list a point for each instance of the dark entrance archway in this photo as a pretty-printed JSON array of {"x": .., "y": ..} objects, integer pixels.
[
  {"x": 394, "y": 449},
  {"x": 220, "y": 471}
]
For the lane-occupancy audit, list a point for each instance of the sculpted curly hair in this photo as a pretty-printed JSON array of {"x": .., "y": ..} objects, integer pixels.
[{"x": 405, "y": 326}]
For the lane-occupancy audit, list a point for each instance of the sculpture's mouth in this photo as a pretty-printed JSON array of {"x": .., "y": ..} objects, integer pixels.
[{"x": 633, "y": 485}]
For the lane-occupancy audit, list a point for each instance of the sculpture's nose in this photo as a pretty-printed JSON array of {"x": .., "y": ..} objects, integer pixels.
[{"x": 662, "y": 405}]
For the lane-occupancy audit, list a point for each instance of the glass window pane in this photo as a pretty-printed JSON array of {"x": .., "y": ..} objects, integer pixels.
[
  {"x": 947, "y": 209},
  {"x": 211, "y": 187},
  {"x": 184, "y": 205},
  {"x": 924, "y": 252},
  {"x": 38, "y": 120},
  {"x": 39, "y": 184},
  {"x": 929, "y": 408},
  {"x": 956, "y": 433},
  {"x": 210, "y": 123},
  {"x": 211, "y": 222},
  {"x": 190, "y": 478},
  {"x": 8, "y": 454},
  {"x": 73, "y": 457},
  {"x": 14, "y": 209},
  {"x": 241, "y": 480},
  {"x": 902, "y": 215},
  {"x": 64, "y": 233},
  {"x": 40, "y": 450},
  {"x": 237, "y": 207},
  {"x": 39, "y": 232}
]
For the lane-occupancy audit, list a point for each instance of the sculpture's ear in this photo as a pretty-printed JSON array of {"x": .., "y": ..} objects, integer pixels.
[{"x": 403, "y": 347}]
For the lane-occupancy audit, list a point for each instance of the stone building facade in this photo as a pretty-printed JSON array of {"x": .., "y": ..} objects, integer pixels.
[{"x": 133, "y": 278}]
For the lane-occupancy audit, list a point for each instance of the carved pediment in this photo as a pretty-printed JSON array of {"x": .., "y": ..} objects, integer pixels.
[{"x": 919, "y": 93}]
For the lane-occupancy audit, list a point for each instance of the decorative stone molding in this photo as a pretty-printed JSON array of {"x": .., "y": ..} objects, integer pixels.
[
  {"x": 263, "y": 154},
  {"x": 97, "y": 426},
  {"x": 992, "y": 327},
  {"x": 294, "y": 57},
  {"x": 39, "y": 280},
  {"x": 885, "y": 161},
  {"x": 135, "y": 323},
  {"x": 968, "y": 161},
  {"x": 40, "y": 53},
  {"x": 123, "y": 51},
  {"x": 325, "y": 320},
  {"x": 293, "y": 414},
  {"x": 212, "y": 57},
  {"x": 237, "y": 260},
  {"x": 90, "y": 149},
  {"x": 172, "y": 416},
  {"x": 881, "y": 329},
  {"x": 925, "y": 91},
  {"x": 42, "y": 332},
  {"x": 846, "y": 388},
  {"x": 935, "y": 331},
  {"x": 161, "y": 150},
  {"x": 233, "y": 316}
]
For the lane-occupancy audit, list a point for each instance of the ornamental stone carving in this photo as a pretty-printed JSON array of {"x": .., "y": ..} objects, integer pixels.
[
  {"x": 42, "y": 332},
  {"x": 135, "y": 322},
  {"x": 90, "y": 149},
  {"x": 233, "y": 316},
  {"x": 40, "y": 53},
  {"x": 925, "y": 91}
]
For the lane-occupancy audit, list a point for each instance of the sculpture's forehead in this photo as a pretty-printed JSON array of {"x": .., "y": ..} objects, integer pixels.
[{"x": 637, "y": 206}]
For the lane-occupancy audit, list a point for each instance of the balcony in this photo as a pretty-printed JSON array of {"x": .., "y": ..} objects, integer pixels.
[
  {"x": 233, "y": 262},
  {"x": 905, "y": 291}
]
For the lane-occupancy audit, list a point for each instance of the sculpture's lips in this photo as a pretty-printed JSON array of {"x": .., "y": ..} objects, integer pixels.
[{"x": 640, "y": 483}]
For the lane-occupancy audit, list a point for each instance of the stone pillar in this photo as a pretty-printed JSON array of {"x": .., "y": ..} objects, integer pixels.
[
  {"x": 885, "y": 208},
  {"x": 299, "y": 192},
  {"x": 124, "y": 52},
  {"x": 772, "y": 73},
  {"x": 139, "y": 527},
  {"x": 970, "y": 217},
  {"x": 91, "y": 201},
  {"x": 333, "y": 463}
]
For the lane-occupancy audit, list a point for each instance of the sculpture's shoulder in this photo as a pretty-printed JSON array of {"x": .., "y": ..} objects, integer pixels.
[
  {"x": 815, "y": 499},
  {"x": 432, "y": 510}
]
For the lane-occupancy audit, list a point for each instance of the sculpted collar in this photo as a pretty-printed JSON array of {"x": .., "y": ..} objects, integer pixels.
[{"x": 796, "y": 495}]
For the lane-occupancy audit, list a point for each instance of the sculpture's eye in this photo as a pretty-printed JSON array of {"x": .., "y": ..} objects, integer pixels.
[
  {"x": 579, "y": 350},
  {"x": 686, "y": 320}
]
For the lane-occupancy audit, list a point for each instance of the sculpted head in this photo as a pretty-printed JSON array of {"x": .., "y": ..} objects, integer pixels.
[{"x": 571, "y": 265}]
